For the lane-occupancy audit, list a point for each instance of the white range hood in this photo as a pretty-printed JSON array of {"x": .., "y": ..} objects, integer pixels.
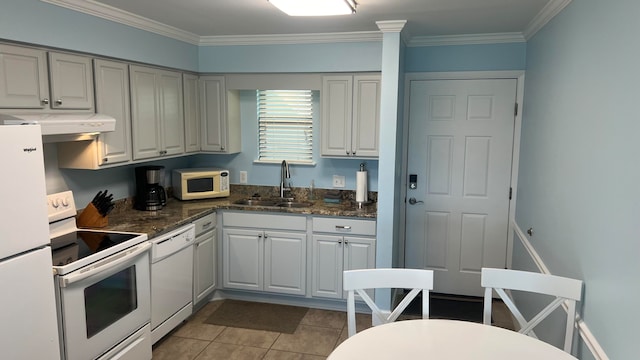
[{"x": 64, "y": 127}]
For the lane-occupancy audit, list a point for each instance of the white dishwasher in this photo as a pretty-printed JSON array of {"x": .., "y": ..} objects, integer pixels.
[{"x": 171, "y": 280}]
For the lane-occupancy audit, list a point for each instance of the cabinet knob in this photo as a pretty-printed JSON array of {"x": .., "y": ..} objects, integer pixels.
[
  {"x": 105, "y": 159},
  {"x": 348, "y": 152},
  {"x": 59, "y": 102},
  {"x": 221, "y": 147},
  {"x": 354, "y": 153},
  {"x": 45, "y": 101}
]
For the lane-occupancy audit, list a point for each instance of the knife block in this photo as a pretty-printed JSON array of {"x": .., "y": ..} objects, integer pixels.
[{"x": 90, "y": 217}]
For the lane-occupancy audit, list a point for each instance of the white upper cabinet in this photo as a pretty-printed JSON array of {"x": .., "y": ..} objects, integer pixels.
[
  {"x": 350, "y": 115},
  {"x": 24, "y": 80},
  {"x": 112, "y": 98},
  {"x": 71, "y": 81},
  {"x": 157, "y": 113},
  {"x": 191, "y": 113},
  {"x": 220, "y": 113}
]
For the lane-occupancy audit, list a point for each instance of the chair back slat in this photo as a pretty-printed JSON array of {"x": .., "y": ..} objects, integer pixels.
[
  {"x": 357, "y": 281},
  {"x": 565, "y": 290}
]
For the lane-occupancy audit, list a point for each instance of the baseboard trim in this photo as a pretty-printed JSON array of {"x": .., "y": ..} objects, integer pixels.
[{"x": 587, "y": 336}]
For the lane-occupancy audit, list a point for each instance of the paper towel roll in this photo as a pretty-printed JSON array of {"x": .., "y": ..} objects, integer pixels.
[{"x": 361, "y": 186}]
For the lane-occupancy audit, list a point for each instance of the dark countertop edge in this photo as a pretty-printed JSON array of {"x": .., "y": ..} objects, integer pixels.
[{"x": 178, "y": 213}]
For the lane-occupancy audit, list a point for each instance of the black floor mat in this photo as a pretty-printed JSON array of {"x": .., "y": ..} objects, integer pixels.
[{"x": 442, "y": 306}]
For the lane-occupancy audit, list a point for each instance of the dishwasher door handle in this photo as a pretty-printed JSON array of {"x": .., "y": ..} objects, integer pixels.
[{"x": 104, "y": 266}]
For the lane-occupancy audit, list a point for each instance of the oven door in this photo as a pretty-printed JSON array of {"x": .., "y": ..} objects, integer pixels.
[{"x": 105, "y": 302}]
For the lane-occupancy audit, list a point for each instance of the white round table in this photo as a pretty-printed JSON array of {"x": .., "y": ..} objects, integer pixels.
[{"x": 444, "y": 339}]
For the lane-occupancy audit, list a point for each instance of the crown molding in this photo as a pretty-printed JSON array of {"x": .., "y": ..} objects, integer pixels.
[
  {"x": 107, "y": 12},
  {"x": 363, "y": 36},
  {"x": 545, "y": 15},
  {"x": 467, "y": 39},
  {"x": 391, "y": 25}
]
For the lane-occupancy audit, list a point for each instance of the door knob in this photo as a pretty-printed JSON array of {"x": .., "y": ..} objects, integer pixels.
[{"x": 413, "y": 201}]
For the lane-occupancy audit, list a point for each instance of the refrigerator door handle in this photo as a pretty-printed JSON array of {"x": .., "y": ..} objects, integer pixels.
[{"x": 110, "y": 263}]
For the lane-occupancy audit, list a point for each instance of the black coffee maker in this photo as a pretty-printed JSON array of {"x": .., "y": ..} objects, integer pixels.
[{"x": 150, "y": 195}]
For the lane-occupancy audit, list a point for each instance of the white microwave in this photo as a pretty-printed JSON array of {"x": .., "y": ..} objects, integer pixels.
[{"x": 200, "y": 183}]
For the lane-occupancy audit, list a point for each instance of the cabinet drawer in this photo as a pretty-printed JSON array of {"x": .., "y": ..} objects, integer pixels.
[
  {"x": 344, "y": 226},
  {"x": 264, "y": 221},
  {"x": 205, "y": 223}
]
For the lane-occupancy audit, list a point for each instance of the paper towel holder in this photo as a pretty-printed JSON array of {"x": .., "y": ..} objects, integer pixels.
[{"x": 362, "y": 199}]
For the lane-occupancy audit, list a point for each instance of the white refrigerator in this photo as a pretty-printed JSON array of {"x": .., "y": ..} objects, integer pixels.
[{"x": 28, "y": 320}]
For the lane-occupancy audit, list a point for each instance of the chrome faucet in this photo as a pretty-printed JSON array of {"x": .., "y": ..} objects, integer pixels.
[{"x": 284, "y": 175}]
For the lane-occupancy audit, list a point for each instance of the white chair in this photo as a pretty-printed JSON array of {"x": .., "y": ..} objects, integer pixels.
[
  {"x": 357, "y": 281},
  {"x": 564, "y": 289}
]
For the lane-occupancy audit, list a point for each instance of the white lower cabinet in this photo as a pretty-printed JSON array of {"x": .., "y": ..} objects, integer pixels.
[
  {"x": 340, "y": 244},
  {"x": 264, "y": 252},
  {"x": 204, "y": 258}
]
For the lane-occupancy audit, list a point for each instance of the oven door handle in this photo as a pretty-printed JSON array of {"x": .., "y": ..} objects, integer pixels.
[{"x": 106, "y": 264}]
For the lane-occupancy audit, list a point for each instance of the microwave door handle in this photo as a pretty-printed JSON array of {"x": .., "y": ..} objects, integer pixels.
[{"x": 106, "y": 264}]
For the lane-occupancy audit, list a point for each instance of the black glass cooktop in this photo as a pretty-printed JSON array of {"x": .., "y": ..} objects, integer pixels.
[{"x": 80, "y": 244}]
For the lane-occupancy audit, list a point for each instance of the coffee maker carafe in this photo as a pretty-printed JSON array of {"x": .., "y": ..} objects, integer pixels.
[{"x": 150, "y": 195}]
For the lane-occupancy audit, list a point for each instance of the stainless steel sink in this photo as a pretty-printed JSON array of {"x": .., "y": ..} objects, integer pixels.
[
  {"x": 256, "y": 202},
  {"x": 293, "y": 204},
  {"x": 283, "y": 203}
]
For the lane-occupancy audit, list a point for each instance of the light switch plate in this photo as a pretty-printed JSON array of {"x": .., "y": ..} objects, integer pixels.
[
  {"x": 338, "y": 181},
  {"x": 243, "y": 177}
]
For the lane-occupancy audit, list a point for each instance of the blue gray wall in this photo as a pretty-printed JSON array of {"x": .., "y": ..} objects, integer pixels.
[{"x": 579, "y": 174}]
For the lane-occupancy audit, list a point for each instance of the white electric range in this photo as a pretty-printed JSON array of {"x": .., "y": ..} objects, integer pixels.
[{"x": 102, "y": 287}]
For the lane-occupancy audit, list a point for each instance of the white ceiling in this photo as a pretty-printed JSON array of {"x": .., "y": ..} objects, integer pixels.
[{"x": 228, "y": 18}]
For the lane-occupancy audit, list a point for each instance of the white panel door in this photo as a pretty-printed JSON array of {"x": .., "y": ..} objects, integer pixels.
[
  {"x": 171, "y": 112},
  {"x": 71, "y": 81},
  {"x": 212, "y": 112},
  {"x": 112, "y": 98},
  {"x": 460, "y": 148},
  {"x": 191, "y": 113},
  {"x": 145, "y": 113},
  {"x": 327, "y": 266},
  {"x": 23, "y": 78},
  {"x": 285, "y": 262},
  {"x": 243, "y": 259}
]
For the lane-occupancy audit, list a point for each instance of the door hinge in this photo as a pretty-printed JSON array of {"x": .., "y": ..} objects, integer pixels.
[
  {"x": 510, "y": 192},
  {"x": 515, "y": 110}
]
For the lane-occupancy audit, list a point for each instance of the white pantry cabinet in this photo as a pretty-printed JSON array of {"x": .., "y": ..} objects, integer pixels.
[
  {"x": 220, "y": 116},
  {"x": 350, "y": 115},
  {"x": 205, "y": 255},
  {"x": 191, "y": 112},
  {"x": 157, "y": 112},
  {"x": 24, "y": 80},
  {"x": 264, "y": 252},
  {"x": 340, "y": 244}
]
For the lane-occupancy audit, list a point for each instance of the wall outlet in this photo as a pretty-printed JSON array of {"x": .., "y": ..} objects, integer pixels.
[
  {"x": 243, "y": 177},
  {"x": 338, "y": 181}
]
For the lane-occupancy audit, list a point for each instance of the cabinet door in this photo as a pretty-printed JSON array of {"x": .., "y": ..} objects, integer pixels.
[
  {"x": 337, "y": 104},
  {"x": 112, "y": 98},
  {"x": 204, "y": 274},
  {"x": 71, "y": 81},
  {"x": 243, "y": 254},
  {"x": 191, "y": 113},
  {"x": 327, "y": 266},
  {"x": 171, "y": 112},
  {"x": 212, "y": 104},
  {"x": 285, "y": 262},
  {"x": 145, "y": 113},
  {"x": 359, "y": 253},
  {"x": 366, "y": 116},
  {"x": 23, "y": 78}
]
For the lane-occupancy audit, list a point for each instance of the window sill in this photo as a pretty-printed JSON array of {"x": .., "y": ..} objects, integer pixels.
[{"x": 292, "y": 162}]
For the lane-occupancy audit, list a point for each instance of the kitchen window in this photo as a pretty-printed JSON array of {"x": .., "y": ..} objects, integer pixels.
[{"x": 285, "y": 125}]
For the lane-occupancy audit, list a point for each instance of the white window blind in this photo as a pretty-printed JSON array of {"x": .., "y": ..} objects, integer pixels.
[{"x": 285, "y": 120}]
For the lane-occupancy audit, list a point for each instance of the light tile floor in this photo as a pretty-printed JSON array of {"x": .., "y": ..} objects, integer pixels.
[{"x": 319, "y": 332}]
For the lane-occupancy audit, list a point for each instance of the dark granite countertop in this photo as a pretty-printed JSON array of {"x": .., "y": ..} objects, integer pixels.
[{"x": 177, "y": 213}]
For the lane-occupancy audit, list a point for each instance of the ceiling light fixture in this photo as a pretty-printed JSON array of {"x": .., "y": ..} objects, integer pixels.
[{"x": 315, "y": 7}]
